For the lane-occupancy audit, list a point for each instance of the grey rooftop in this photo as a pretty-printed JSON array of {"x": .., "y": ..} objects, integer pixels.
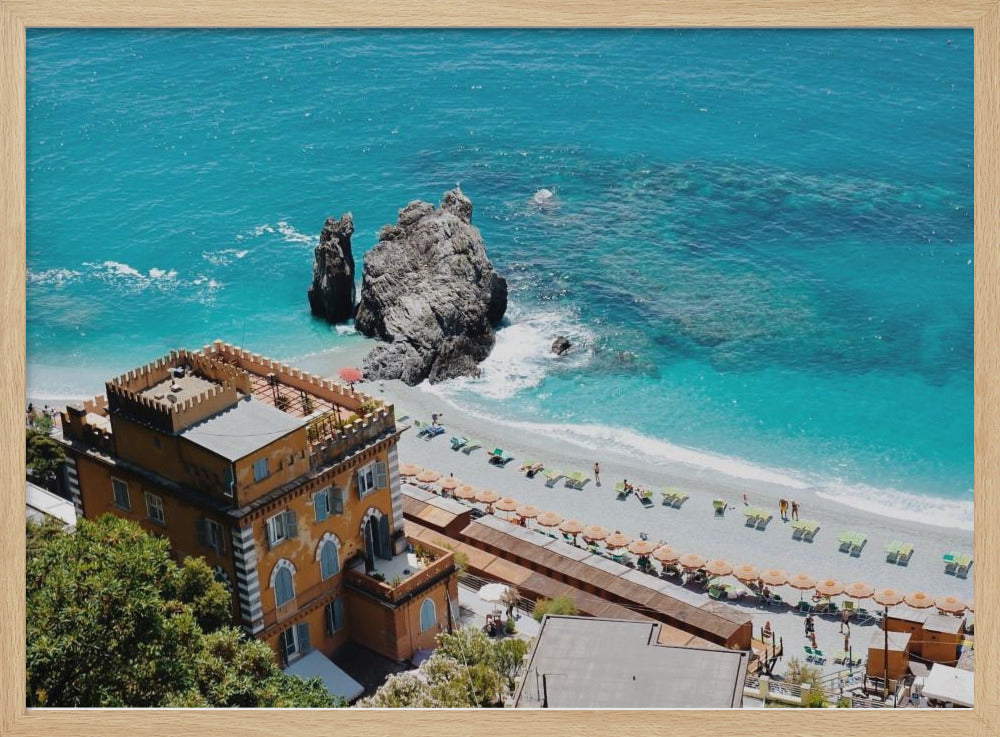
[{"x": 242, "y": 428}]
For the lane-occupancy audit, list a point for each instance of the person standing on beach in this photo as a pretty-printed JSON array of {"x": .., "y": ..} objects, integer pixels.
[
  {"x": 783, "y": 509},
  {"x": 845, "y": 617},
  {"x": 746, "y": 502},
  {"x": 597, "y": 473},
  {"x": 795, "y": 510}
]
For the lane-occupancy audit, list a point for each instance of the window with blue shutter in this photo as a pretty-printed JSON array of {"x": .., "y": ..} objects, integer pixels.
[
  {"x": 428, "y": 615},
  {"x": 321, "y": 504},
  {"x": 335, "y": 615},
  {"x": 329, "y": 559},
  {"x": 284, "y": 590},
  {"x": 381, "y": 475},
  {"x": 302, "y": 638},
  {"x": 260, "y": 470}
]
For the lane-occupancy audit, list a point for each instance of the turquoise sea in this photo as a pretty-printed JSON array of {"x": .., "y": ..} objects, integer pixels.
[{"x": 761, "y": 241}]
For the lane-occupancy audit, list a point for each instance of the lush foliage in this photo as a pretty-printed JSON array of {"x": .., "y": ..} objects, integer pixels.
[
  {"x": 467, "y": 670},
  {"x": 113, "y": 621},
  {"x": 44, "y": 455},
  {"x": 798, "y": 672},
  {"x": 558, "y": 605}
]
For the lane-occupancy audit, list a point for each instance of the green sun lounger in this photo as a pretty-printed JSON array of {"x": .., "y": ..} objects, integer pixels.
[
  {"x": 622, "y": 492},
  {"x": 852, "y": 542},
  {"x": 957, "y": 564},
  {"x": 499, "y": 457},
  {"x": 457, "y": 443},
  {"x": 471, "y": 445},
  {"x": 552, "y": 475},
  {"x": 646, "y": 497},
  {"x": 757, "y": 517},
  {"x": 719, "y": 505},
  {"x": 576, "y": 480},
  {"x": 804, "y": 530},
  {"x": 898, "y": 553}
]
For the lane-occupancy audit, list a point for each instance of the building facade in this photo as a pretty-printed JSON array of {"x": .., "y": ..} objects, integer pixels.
[{"x": 286, "y": 483}]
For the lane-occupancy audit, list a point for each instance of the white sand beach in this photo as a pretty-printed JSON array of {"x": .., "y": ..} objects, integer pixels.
[{"x": 692, "y": 528}]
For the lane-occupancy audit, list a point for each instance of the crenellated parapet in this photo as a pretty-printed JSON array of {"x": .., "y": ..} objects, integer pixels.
[{"x": 331, "y": 391}]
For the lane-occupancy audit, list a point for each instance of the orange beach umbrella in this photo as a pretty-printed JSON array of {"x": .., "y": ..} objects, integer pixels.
[
  {"x": 666, "y": 554},
  {"x": 549, "y": 519},
  {"x": 507, "y": 504},
  {"x": 528, "y": 511},
  {"x": 829, "y": 587},
  {"x": 719, "y": 567},
  {"x": 595, "y": 532},
  {"x": 950, "y": 604},
  {"x": 641, "y": 547},
  {"x": 409, "y": 469},
  {"x": 450, "y": 482},
  {"x": 919, "y": 600},
  {"x": 859, "y": 590},
  {"x": 428, "y": 476},
  {"x": 774, "y": 577},
  {"x": 465, "y": 492},
  {"x": 746, "y": 572},
  {"x": 571, "y": 526},
  {"x": 801, "y": 581},
  {"x": 617, "y": 540},
  {"x": 486, "y": 496},
  {"x": 888, "y": 597},
  {"x": 692, "y": 561}
]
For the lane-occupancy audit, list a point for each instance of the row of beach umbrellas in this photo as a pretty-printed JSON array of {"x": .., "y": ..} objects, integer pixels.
[{"x": 665, "y": 554}]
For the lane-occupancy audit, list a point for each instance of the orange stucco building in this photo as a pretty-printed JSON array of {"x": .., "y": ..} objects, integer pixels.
[{"x": 286, "y": 483}]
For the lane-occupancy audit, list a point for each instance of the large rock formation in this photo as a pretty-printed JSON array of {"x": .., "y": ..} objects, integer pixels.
[
  {"x": 331, "y": 295},
  {"x": 430, "y": 291}
]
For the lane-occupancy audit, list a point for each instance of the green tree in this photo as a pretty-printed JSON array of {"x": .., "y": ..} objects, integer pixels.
[
  {"x": 113, "y": 621},
  {"x": 44, "y": 455},
  {"x": 798, "y": 672},
  {"x": 558, "y": 605},
  {"x": 467, "y": 670}
]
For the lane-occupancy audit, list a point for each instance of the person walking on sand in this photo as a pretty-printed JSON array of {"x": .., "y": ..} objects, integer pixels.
[
  {"x": 795, "y": 510},
  {"x": 783, "y": 509},
  {"x": 597, "y": 473},
  {"x": 845, "y": 616},
  {"x": 746, "y": 502}
]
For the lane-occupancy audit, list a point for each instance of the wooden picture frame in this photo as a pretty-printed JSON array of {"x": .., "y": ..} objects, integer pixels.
[{"x": 16, "y": 15}]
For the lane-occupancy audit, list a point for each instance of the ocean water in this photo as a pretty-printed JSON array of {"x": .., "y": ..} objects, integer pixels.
[{"x": 760, "y": 242}]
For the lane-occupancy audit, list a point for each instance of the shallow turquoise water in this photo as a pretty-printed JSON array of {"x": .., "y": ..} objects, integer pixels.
[{"x": 761, "y": 240}]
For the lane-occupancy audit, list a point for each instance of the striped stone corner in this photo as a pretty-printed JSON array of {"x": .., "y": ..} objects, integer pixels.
[
  {"x": 247, "y": 580},
  {"x": 395, "y": 490}
]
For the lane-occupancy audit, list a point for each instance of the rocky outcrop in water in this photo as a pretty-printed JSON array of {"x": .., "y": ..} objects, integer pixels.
[
  {"x": 561, "y": 344},
  {"x": 431, "y": 293},
  {"x": 332, "y": 293}
]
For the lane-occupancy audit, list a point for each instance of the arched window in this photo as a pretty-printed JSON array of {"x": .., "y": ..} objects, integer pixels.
[
  {"x": 329, "y": 558},
  {"x": 282, "y": 582},
  {"x": 428, "y": 615}
]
